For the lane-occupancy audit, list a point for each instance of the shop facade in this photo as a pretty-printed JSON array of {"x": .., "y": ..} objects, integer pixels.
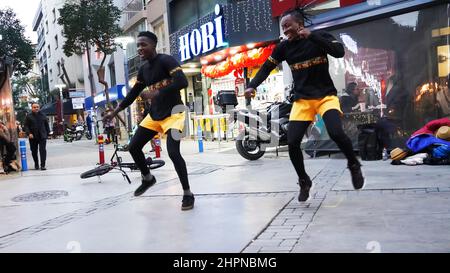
[
  {"x": 396, "y": 61},
  {"x": 220, "y": 45}
]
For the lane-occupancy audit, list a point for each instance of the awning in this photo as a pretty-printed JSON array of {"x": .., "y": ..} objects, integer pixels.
[
  {"x": 49, "y": 109},
  {"x": 117, "y": 92}
]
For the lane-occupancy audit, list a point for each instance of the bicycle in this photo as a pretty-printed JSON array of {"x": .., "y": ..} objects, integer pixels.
[{"x": 119, "y": 165}]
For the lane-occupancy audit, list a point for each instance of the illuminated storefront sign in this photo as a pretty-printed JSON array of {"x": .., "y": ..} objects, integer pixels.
[{"x": 208, "y": 37}]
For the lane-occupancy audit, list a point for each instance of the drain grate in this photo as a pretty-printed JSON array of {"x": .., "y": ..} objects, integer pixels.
[{"x": 40, "y": 196}]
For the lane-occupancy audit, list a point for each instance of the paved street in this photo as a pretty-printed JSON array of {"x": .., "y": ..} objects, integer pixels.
[{"x": 241, "y": 206}]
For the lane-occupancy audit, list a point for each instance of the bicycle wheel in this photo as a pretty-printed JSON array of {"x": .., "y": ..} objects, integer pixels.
[
  {"x": 155, "y": 163},
  {"x": 100, "y": 170}
]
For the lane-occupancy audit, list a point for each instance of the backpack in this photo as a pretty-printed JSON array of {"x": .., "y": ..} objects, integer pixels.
[{"x": 369, "y": 145}]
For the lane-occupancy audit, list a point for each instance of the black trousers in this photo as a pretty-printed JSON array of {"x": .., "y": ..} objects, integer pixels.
[
  {"x": 144, "y": 135},
  {"x": 40, "y": 144},
  {"x": 297, "y": 130},
  {"x": 10, "y": 151}
]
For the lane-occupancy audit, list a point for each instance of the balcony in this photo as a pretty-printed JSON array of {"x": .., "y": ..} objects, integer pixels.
[{"x": 132, "y": 8}]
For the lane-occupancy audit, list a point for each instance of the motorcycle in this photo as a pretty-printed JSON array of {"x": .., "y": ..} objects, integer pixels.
[
  {"x": 76, "y": 133},
  {"x": 86, "y": 132},
  {"x": 69, "y": 134},
  {"x": 261, "y": 129}
]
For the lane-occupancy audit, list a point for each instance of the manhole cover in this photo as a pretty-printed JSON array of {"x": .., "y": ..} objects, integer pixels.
[{"x": 40, "y": 196}]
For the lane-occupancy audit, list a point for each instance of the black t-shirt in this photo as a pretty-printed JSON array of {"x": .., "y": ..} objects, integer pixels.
[
  {"x": 164, "y": 74},
  {"x": 308, "y": 61}
]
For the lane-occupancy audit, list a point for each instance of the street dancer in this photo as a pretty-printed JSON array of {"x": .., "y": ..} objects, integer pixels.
[
  {"x": 164, "y": 78},
  {"x": 314, "y": 91}
]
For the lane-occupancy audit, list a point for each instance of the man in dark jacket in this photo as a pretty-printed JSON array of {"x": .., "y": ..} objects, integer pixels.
[{"x": 37, "y": 130}]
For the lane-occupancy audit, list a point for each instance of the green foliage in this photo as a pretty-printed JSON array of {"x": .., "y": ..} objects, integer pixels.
[
  {"x": 90, "y": 23},
  {"x": 33, "y": 87},
  {"x": 14, "y": 44}
]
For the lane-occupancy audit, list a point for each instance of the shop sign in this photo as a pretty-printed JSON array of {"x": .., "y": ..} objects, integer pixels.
[
  {"x": 205, "y": 39},
  {"x": 77, "y": 103},
  {"x": 76, "y": 94},
  {"x": 240, "y": 87}
]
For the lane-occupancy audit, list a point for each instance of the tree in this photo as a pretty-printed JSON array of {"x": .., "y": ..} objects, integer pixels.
[
  {"x": 32, "y": 87},
  {"x": 14, "y": 44},
  {"x": 90, "y": 23}
]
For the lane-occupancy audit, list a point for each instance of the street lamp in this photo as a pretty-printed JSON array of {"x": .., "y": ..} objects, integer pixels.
[
  {"x": 124, "y": 41},
  {"x": 60, "y": 87}
]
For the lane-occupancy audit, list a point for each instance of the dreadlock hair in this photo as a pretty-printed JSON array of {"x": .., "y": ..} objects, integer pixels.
[{"x": 300, "y": 14}]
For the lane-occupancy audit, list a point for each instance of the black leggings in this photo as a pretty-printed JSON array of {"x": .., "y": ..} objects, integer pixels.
[
  {"x": 297, "y": 130},
  {"x": 144, "y": 135}
]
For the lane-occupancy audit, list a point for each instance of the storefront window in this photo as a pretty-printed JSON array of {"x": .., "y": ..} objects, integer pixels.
[{"x": 395, "y": 70}]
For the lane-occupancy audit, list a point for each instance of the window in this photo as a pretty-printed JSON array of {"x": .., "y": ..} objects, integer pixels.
[
  {"x": 59, "y": 67},
  {"x": 159, "y": 30},
  {"x": 401, "y": 76},
  {"x": 185, "y": 12},
  {"x": 54, "y": 15},
  {"x": 182, "y": 13},
  {"x": 46, "y": 26},
  {"x": 132, "y": 47},
  {"x": 56, "y": 41},
  {"x": 49, "y": 53},
  {"x": 112, "y": 74}
]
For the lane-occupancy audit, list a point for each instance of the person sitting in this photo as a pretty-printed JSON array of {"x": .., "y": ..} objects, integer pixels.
[
  {"x": 5, "y": 141},
  {"x": 350, "y": 98}
]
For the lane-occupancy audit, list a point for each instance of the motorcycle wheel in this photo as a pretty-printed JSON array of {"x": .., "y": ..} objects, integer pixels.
[
  {"x": 78, "y": 136},
  {"x": 247, "y": 148},
  {"x": 88, "y": 136}
]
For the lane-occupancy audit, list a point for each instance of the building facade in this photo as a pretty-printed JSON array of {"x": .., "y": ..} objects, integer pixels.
[{"x": 49, "y": 50}]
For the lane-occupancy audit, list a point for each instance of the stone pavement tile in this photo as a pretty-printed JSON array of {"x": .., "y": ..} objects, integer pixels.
[
  {"x": 266, "y": 235},
  {"x": 287, "y": 236},
  {"x": 148, "y": 224},
  {"x": 395, "y": 223},
  {"x": 271, "y": 249},
  {"x": 266, "y": 242},
  {"x": 397, "y": 177},
  {"x": 288, "y": 243},
  {"x": 252, "y": 249}
]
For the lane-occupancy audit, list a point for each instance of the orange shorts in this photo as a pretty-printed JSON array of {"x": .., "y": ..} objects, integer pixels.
[
  {"x": 175, "y": 121},
  {"x": 305, "y": 110}
]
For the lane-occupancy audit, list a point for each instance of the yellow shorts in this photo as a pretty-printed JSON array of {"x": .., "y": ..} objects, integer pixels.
[
  {"x": 175, "y": 121},
  {"x": 305, "y": 110}
]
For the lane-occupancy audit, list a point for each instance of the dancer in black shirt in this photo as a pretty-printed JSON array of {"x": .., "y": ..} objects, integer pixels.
[
  {"x": 163, "y": 79},
  {"x": 314, "y": 91}
]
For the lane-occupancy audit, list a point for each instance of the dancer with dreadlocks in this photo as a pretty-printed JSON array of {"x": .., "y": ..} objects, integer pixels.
[{"x": 314, "y": 91}]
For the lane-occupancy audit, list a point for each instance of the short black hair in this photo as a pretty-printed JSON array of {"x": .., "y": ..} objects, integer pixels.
[
  {"x": 149, "y": 35},
  {"x": 299, "y": 14}
]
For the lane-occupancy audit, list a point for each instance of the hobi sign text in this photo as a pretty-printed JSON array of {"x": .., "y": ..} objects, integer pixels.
[{"x": 205, "y": 39}]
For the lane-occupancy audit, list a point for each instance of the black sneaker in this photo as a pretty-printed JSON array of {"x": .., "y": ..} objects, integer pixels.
[
  {"x": 43, "y": 168},
  {"x": 188, "y": 202},
  {"x": 357, "y": 177},
  {"x": 36, "y": 167},
  {"x": 305, "y": 187},
  {"x": 146, "y": 184}
]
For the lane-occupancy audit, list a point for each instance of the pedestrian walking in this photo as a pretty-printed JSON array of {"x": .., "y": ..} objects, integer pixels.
[
  {"x": 164, "y": 78},
  {"x": 89, "y": 123},
  {"x": 314, "y": 91},
  {"x": 37, "y": 129}
]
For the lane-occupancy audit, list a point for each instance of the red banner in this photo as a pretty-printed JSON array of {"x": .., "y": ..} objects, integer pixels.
[{"x": 280, "y": 6}]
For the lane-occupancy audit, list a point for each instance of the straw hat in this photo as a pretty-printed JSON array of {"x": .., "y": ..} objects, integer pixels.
[
  {"x": 398, "y": 154},
  {"x": 443, "y": 133}
]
